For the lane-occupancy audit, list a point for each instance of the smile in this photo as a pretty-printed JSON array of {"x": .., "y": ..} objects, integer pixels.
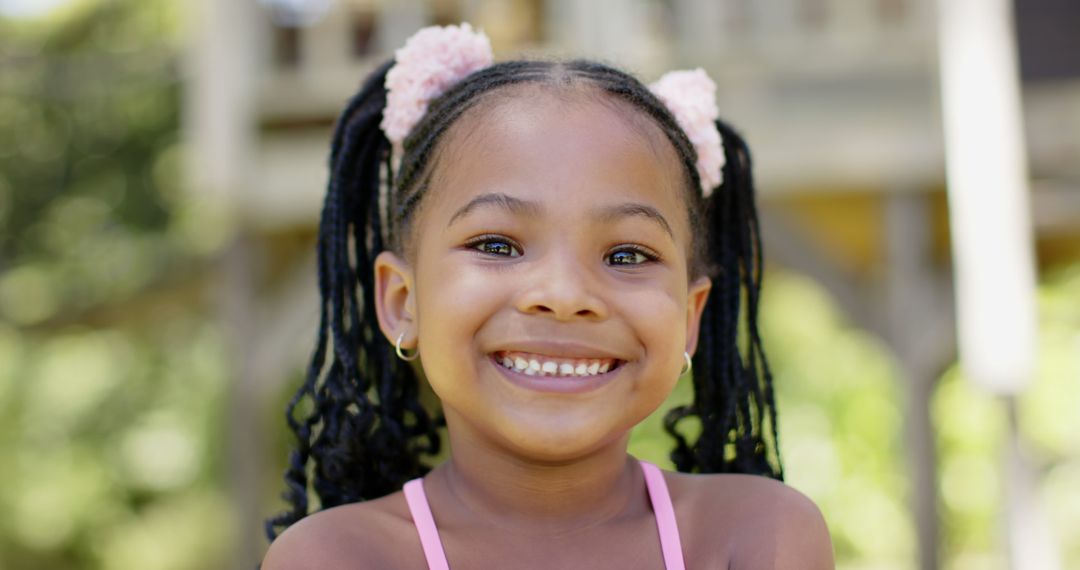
[{"x": 542, "y": 365}]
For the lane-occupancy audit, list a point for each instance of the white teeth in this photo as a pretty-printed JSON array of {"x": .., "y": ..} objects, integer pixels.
[{"x": 543, "y": 367}]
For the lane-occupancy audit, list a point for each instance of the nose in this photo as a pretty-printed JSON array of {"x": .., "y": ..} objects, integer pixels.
[{"x": 562, "y": 287}]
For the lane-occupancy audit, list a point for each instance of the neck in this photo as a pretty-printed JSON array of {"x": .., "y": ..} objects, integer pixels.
[{"x": 487, "y": 484}]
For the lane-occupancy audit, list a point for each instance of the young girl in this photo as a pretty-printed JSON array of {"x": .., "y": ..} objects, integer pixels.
[{"x": 550, "y": 242}]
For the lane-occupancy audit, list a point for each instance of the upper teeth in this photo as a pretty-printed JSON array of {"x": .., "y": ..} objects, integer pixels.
[{"x": 535, "y": 364}]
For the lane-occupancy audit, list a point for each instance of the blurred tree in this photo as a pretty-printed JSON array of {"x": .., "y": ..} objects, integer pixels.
[
  {"x": 111, "y": 366},
  {"x": 971, "y": 429},
  {"x": 89, "y": 113}
]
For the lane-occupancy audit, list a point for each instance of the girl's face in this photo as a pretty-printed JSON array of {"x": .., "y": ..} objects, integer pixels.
[{"x": 554, "y": 234}]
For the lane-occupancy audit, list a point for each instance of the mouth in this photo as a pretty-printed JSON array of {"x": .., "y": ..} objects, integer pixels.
[{"x": 532, "y": 364}]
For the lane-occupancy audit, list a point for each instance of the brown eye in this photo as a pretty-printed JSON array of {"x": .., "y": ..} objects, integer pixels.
[
  {"x": 496, "y": 247},
  {"x": 627, "y": 257}
]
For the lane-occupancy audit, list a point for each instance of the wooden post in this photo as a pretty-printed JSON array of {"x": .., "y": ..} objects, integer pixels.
[{"x": 913, "y": 312}]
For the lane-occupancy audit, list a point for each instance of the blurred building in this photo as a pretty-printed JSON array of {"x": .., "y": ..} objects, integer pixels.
[{"x": 838, "y": 99}]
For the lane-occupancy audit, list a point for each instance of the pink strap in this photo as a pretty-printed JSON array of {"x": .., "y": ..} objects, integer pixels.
[
  {"x": 425, "y": 525},
  {"x": 665, "y": 516},
  {"x": 670, "y": 544}
]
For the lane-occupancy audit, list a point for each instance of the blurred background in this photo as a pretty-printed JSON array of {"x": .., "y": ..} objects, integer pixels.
[{"x": 161, "y": 171}]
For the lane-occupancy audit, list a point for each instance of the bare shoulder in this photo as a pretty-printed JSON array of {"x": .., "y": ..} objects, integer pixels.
[
  {"x": 756, "y": 522},
  {"x": 373, "y": 534}
]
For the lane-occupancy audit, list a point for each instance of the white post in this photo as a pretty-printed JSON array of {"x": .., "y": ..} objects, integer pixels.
[
  {"x": 219, "y": 124},
  {"x": 990, "y": 218},
  {"x": 220, "y": 70},
  {"x": 988, "y": 193}
]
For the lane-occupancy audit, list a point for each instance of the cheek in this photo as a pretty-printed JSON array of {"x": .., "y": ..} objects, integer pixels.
[
  {"x": 658, "y": 313},
  {"x": 454, "y": 301},
  {"x": 448, "y": 314},
  {"x": 658, "y": 318}
]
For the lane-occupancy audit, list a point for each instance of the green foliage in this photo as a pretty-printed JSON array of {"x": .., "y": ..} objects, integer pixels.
[
  {"x": 109, "y": 409},
  {"x": 89, "y": 108},
  {"x": 111, "y": 435},
  {"x": 1050, "y": 410},
  {"x": 840, "y": 423},
  {"x": 972, "y": 430}
]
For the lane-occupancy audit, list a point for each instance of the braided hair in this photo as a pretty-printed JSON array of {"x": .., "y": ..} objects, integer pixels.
[{"x": 359, "y": 425}]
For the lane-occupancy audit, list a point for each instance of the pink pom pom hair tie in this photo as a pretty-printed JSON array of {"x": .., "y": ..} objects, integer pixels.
[
  {"x": 438, "y": 57},
  {"x": 690, "y": 95},
  {"x": 432, "y": 60}
]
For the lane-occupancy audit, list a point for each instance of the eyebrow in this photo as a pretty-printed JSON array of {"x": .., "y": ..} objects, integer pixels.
[
  {"x": 530, "y": 208},
  {"x": 504, "y": 201},
  {"x": 631, "y": 209}
]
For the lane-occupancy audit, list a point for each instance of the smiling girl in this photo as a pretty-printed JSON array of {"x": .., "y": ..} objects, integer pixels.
[{"x": 556, "y": 244}]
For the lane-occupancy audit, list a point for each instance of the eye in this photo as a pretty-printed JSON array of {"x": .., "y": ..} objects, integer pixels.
[
  {"x": 630, "y": 255},
  {"x": 495, "y": 246}
]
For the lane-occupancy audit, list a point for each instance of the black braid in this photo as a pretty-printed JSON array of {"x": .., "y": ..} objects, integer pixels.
[
  {"x": 364, "y": 429},
  {"x": 732, "y": 396},
  {"x": 362, "y": 445}
]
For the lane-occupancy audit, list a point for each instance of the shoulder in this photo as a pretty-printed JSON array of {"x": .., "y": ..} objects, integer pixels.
[
  {"x": 373, "y": 534},
  {"x": 761, "y": 522}
]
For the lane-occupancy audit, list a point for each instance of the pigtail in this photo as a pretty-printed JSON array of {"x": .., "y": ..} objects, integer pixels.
[
  {"x": 733, "y": 391},
  {"x": 362, "y": 427}
]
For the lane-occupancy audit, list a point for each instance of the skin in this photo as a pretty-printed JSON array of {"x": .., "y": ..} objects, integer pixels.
[{"x": 555, "y": 226}]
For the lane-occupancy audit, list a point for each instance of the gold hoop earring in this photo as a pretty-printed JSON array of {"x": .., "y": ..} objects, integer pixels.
[
  {"x": 402, "y": 355},
  {"x": 688, "y": 366}
]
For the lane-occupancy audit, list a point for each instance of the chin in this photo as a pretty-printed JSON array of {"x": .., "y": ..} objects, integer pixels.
[{"x": 562, "y": 442}]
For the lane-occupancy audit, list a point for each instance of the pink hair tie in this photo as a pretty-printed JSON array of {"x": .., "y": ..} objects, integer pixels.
[
  {"x": 690, "y": 95},
  {"x": 438, "y": 57},
  {"x": 431, "y": 61}
]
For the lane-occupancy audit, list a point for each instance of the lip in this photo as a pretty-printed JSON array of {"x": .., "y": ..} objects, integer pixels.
[{"x": 557, "y": 384}]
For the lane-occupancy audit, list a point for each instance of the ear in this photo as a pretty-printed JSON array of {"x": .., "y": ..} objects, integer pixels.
[
  {"x": 395, "y": 299},
  {"x": 695, "y": 306}
]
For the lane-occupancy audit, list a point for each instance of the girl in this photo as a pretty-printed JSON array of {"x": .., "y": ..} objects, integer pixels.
[{"x": 552, "y": 241}]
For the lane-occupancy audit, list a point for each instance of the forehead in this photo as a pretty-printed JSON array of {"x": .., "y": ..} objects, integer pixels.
[{"x": 557, "y": 145}]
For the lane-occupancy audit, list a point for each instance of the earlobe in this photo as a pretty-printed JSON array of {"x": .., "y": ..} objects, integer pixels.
[
  {"x": 395, "y": 304},
  {"x": 695, "y": 306}
]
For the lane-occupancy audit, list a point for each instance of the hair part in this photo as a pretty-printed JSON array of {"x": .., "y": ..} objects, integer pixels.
[{"x": 366, "y": 430}]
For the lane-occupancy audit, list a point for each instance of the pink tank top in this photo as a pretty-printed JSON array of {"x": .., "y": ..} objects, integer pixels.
[{"x": 658, "y": 496}]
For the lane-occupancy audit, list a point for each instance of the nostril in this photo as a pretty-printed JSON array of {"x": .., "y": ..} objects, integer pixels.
[{"x": 560, "y": 302}]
